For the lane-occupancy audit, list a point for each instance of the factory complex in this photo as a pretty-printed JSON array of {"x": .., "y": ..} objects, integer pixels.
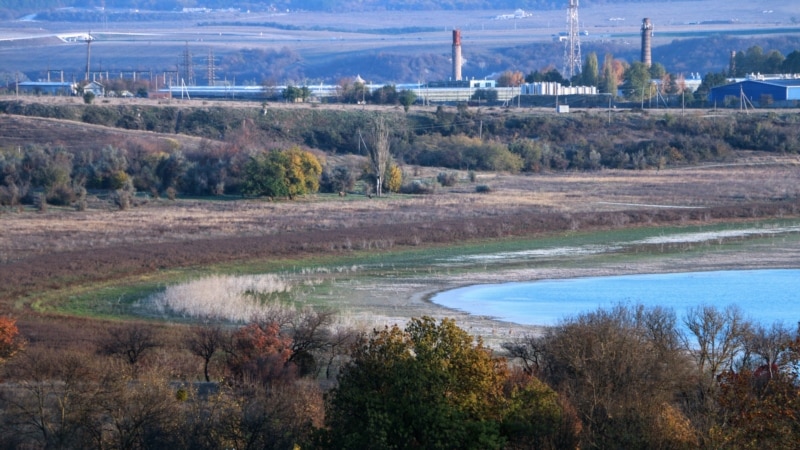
[{"x": 755, "y": 90}]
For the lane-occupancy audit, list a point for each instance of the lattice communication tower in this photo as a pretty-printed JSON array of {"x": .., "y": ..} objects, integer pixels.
[{"x": 572, "y": 45}]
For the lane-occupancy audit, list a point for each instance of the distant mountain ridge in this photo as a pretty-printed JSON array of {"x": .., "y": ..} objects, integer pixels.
[{"x": 30, "y": 6}]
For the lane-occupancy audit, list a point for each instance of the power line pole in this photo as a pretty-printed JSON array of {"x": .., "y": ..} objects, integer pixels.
[
  {"x": 187, "y": 68},
  {"x": 211, "y": 68}
]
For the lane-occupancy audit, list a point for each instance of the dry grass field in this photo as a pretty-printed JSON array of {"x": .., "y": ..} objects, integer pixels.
[
  {"x": 44, "y": 253},
  {"x": 39, "y": 248},
  {"x": 51, "y": 254}
]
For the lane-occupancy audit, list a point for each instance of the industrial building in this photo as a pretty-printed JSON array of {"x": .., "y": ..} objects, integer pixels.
[
  {"x": 47, "y": 88},
  {"x": 758, "y": 91},
  {"x": 553, "y": 88},
  {"x": 434, "y": 92}
]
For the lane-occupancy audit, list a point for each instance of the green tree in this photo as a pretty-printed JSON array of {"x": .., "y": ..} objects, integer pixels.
[
  {"x": 773, "y": 63},
  {"x": 637, "y": 79},
  {"x": 428, "y": 386},
  {"x": 711, "y": 80},
  {"x": 407, "y": 98},
  {"x": 486, "y": 95},
  {"x": 792, "y": 63},
  {"x": 548, "y": 75},
  {"x": 293, "y": 93},
  {"x": 265, "y": 175},
  {"x": 279, "y": 173},
  {"x": 610, "y": 81},
  {"x": 590, "y": 75},
  {"x": 386, "y": 95}
]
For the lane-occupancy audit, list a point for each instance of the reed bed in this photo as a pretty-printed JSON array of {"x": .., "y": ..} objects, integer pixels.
[{"x": 237, "y": 299}]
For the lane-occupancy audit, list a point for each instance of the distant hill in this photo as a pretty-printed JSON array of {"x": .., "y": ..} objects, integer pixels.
[{"x": 10, "y": 8}]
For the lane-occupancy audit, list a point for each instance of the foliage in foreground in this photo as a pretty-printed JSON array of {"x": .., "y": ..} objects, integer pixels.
[
  {"x": 429, "y": 386},
  {"x": 625, "y": 377}
]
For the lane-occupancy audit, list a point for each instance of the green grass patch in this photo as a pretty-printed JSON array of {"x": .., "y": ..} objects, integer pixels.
[{"x": 318, "y": 278}]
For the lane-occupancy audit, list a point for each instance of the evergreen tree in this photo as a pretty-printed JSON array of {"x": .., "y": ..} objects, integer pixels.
[{"x": 590, "y": 75}]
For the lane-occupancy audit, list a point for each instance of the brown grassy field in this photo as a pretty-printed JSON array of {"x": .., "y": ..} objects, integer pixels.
[
  {"x": 48, "y": 253},
  {"x": 39, "y": 249}
]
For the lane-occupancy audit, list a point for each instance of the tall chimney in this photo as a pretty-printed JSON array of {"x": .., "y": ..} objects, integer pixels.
[
  {"x": 647, "y": 34},
  {"x": 457, "y": 55}
]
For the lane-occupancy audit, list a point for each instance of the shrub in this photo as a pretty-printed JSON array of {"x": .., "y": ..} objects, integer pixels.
[
  {"x": 418, "y": 187},
  {"x": 447, "y": 178},
  {"x": 61, "y": 195},
  {"x": 339, "y": 179}
]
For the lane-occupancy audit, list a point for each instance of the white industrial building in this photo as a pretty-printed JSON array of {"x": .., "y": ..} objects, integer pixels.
[{"x": 554, "y": 88}]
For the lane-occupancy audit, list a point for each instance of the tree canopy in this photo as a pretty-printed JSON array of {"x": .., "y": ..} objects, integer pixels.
[
  {"x": 288, "y": 173},
  {"x": 427, "y": 386}
]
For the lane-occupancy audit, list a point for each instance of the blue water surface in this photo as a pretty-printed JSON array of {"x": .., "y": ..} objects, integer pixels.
[{"x": 765, "y": 296}]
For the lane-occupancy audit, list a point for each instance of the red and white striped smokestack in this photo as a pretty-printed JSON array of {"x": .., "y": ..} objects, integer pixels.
[{"x": 457, "y": 55}]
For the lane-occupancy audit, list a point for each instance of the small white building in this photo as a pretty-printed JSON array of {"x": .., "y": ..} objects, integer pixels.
[{"x": 95, "y": 88}]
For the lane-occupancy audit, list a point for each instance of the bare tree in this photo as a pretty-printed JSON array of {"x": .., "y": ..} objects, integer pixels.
[
  {"x": 310, "y": 331},
  {"x": 621, "y": 370},
  {"x": 768, "y": 348},
  {"x": 715, "y": 338},
  {"x": 129, "y": 343},
  {"x": 205, "y": 341},
  {"x": 48, "y": 402},
  {"x": 378, "y": 151}
]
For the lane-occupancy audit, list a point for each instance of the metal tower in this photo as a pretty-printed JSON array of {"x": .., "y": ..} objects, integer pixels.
[
  {"x": 187, "y": 67},
  {"x": 572, "y": 46},
  {"x": 212, "y": 76}
]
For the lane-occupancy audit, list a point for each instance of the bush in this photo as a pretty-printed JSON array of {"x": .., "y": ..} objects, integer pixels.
[
  {"x": 447, "y": 178},
  {"x": 338, "y": 179},
  {"x": 418, "y": 187},
  {"x": 61, "y": 195}
]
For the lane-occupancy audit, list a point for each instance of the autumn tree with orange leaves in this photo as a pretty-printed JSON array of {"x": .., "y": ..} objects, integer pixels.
[
  {"x": 259, "y": 351},
  {"x": 10, "y": 341}
]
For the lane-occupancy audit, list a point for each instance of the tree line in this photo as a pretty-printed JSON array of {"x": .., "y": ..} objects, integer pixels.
[
  {"x": 623, "y": 377},
  {"x": 239, "y": 160}
]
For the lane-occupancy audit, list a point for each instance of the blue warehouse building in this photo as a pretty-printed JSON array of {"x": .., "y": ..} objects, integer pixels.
[{"x": 776, "y": 92}]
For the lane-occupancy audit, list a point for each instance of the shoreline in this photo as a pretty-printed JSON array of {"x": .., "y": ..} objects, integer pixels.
[{"x": 494, "y": 331}]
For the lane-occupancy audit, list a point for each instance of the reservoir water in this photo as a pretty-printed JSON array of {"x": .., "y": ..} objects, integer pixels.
[{"x": 765, "y": 296}]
